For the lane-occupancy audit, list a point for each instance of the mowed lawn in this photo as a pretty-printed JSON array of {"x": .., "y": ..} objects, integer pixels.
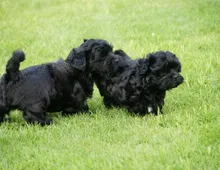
[{"x": 187, "y": 136}]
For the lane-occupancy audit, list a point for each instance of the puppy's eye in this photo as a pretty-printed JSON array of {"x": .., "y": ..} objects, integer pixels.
[
  {"x": 104, "y": 53},
  {"x": 116, "y": 61},
  {"x": 178, "y": 69}
]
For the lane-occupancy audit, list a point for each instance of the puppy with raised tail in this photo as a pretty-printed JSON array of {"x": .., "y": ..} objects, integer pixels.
[{"x": 63, "y": 86}]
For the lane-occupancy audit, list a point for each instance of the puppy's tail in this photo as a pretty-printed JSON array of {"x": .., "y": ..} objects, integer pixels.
[{"x": 12, "y": 67}]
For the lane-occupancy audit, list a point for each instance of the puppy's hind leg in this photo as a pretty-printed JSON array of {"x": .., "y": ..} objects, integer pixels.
[
  {"x": 4, "y": 110},
  {"x": 109, "y": 103}
]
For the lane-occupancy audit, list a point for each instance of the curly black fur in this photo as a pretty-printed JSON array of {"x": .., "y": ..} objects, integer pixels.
[
  {"x": 63, "y": 85},
  {"x": 138, "y": 85}
]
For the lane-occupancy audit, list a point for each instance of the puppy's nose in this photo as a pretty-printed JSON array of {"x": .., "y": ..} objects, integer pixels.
[
  {"x": 175, "y": 77},
  {"x": 180, "y": 79}
]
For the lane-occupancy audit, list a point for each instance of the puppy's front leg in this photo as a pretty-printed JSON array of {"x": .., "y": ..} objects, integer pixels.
[
  {"x": 75, "y": 101},
  {"x": 160, "y": 96},
  {"x": 35, "y": 113},
  {"x": 109, "y": 102},
  {"x": 73, "y": 109}
]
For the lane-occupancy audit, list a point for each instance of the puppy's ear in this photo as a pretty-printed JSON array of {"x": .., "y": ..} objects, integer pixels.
[
  {"x": 77, "y": 59},
  {"x": 151, "y": 58},
  {"x": 157, "y": 60},
  {"x": 122, "y": 54},
  {"x": 84, "y": 40},
  {"x": 144, "y": 66}
]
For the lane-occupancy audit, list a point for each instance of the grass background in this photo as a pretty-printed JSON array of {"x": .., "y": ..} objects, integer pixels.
[{"x": 187, "y": 136}]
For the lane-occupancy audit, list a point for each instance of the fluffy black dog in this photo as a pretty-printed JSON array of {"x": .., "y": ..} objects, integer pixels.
[
  {"x": 63, "y": 85},
  {"x": 138, "y": 85}
]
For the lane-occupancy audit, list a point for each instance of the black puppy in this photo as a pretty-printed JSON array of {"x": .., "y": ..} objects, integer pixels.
[
  {"x": 138, "y": 85},
  {"x": 63, "y": 85}
]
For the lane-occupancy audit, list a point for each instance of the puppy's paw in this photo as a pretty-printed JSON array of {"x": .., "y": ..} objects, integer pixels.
[
  {"x": 70, "y": 111},
  {"x": 149, "y": 109},
  {"x": 48, "y": 121}
]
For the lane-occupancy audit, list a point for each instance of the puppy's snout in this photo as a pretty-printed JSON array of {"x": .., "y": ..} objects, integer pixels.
[{"x": 179, "y": 78}]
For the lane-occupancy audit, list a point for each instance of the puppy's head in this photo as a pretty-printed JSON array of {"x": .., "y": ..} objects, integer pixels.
[
  {"x": 97, "y": 52},
  {"x": 122, "y": 54},
  {"x": 116, "y": 62},
  {"x": 91, "y": 53},
  {"x": 164, "y": 70},
  {"x": 77, "y": 59}
]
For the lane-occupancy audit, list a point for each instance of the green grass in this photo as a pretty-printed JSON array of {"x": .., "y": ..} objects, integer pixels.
[{"x": 187, "y": 136}]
